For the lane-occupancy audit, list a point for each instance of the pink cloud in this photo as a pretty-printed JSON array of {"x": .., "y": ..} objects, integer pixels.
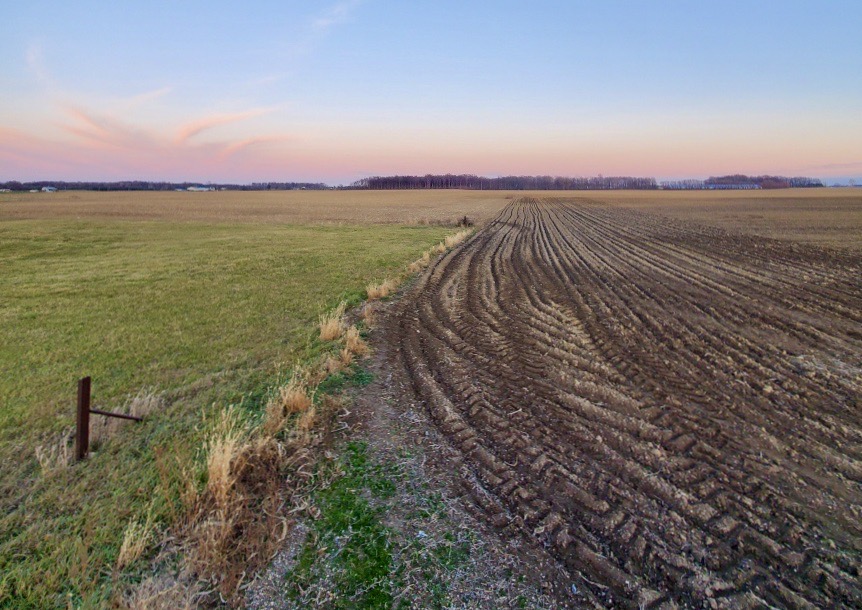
[
  {"x": 104, "y": 147},
  {"x": 195, "y": 127},
  {"x": 248, "y": 143}
]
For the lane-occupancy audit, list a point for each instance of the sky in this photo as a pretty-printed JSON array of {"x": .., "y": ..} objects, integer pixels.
[{"x": 216, "y": 91}]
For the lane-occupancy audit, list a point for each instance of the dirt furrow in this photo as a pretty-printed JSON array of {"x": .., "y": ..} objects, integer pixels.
[{"x": 667, "y": 409}]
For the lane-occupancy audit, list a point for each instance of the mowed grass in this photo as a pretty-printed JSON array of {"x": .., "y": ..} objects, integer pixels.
[{"x": 205, "y": 314}]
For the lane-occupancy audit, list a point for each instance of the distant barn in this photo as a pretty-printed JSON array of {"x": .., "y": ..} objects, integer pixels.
[{"x": 49, "y": 189}]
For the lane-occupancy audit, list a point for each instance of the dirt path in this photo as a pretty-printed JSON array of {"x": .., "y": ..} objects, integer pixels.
[
  {"x": 671, "y": 411},
  {"x": 443, "y": 553}
]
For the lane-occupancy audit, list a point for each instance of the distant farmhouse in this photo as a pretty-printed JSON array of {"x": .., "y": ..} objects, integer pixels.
[
  {"x": 200, "y": 189},
  {"x": 49, "y": 189}
]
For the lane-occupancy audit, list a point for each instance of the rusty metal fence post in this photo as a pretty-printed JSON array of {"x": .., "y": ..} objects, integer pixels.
[{"x": 82, "y": 423}]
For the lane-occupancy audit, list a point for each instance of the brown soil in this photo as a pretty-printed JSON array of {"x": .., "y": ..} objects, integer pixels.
[{"x": 670, "y": 411}]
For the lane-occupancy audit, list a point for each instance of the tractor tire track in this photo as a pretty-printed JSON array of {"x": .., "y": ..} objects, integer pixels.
[{"x": 671, "y": 410}]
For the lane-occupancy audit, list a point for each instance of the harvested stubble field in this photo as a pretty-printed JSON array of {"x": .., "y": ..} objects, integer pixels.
[
  {"x": 282, "y": 207},
  {"x": 671, "y": 409},
  {"x": 830, "y": 217}
]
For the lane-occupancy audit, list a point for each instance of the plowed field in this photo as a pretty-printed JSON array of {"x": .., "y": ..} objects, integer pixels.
[{"x": 672, "y": 410}]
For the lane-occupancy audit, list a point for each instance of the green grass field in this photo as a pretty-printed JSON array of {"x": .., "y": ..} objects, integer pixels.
[{"x": 201, "y": 313}]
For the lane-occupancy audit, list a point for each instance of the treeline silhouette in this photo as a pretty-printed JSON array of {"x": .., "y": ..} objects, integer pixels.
[
  {"x": 447, "y": 181},
  {"x": 740, "y": 181},
  {"x": 146, "y": 185},
  {"x": 507, "y": 183}
]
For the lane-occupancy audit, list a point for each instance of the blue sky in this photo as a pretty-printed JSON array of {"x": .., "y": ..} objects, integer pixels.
[{"x": 337, "y": 90}]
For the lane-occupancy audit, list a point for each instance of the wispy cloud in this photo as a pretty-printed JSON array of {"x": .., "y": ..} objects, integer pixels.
[
  {"x": 147, "y": 96},
  {"x": 318, "y": 26},
  {"x": 34, "y": 55},
  {"x": 195, "y": 127},
  {"x": 100, "y": 129},
  {"x": 253, "y": 142},
  {"x": 335, "y": 14}
]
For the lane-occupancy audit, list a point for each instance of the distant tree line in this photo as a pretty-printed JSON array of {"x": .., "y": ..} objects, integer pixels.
[
  {"x": 740, "y": 181},
  {"x": 145, "y": 185},
  {"x": 447, "y": 181},
  {"x": 508, "y": 183}
]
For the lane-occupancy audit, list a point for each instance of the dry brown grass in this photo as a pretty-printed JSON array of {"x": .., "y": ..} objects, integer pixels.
[
  {"x": 346, "y": 357},
  {"x": 142, "y": 404},
  {"x": 224, "y": 444},
  {"x": 453, "y": 240},
  {"x": 305, "y": 422},
  {"x": 233, "y": 521},
  {"x": 231, "y": 528},
  {"x": 56, "y": 453},
  {"x": 381, "y": 290},
  {"x": 369, "y": 315},
  {"x": 332, "y": 365},
  {"x": 354, "y": 343},
  {"x": 450, "y": 241},
  {"x": 294, "y": 397},
  {"x": 420, "y": 263},
  {"x": 136, "y": 539},
  {"x": 161, "y": 593},
  {"x": 332, "y": 323}
]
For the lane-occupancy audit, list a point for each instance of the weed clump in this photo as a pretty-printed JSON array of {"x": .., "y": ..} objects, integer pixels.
[
  {"x": 331, "y": 324},
  {"x": 222, "y": 448},
  {"x": 453, "y": 240},
  {"x": 136, "y": 539},
  {"x": 381, "y": 290},
  {"x": 354, "y": 343},
  {"x": 291, "y": 398}
]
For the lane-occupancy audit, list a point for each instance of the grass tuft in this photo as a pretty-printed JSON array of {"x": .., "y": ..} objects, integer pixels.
[
  {"x": 381, "y": 290},
  {"x": 354, "y": 343},
  {"x": 136, "y": 539},
  {"x": 56, "y": 454},
  {"x": 369, "y": 315},
  {"x": 291, "y": 398},
  {"x": 453, "y": 240},
  {"x": 346, "y": 357},
  {"x": 222, "y": 448},
  {"x": 332, "y": 365},
  {"x": 332, "y": 323}
]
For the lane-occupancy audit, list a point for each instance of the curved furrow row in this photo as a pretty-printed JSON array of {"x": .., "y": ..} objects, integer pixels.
[
  {"x": 676, "y": 422},
  {"x": 691, "y": 341}
]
